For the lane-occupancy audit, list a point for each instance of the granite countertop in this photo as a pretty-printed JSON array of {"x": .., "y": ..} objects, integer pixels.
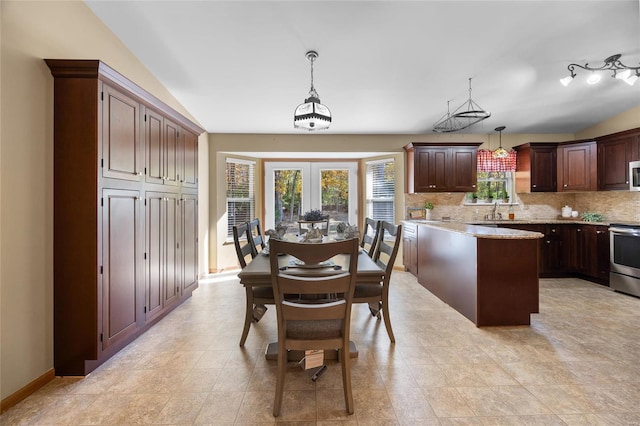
[
  {"x": 479, "y": 231},
  {"x": 535, "y": 222}
]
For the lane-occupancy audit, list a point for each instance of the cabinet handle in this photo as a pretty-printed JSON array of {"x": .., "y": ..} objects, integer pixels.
[
  {"x": 473, "y": 186},
  {"x": 553, "y": 230},
  {"x": 139, "y": 173},
  {"x": 627, "y": 182},
  {"x": 565, "y": 185},
  {"x": 548, "y": 242},
  {"x": 534, "y": 185},
  {"x": 578, "y": 230}
]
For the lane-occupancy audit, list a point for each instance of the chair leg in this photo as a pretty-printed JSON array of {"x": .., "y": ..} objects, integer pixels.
[
  {"x": 387, "y": 322},
  {"x": 248, "y": 317},
  {"x": 282, "y": 367},
  {"x": 345, "y": 360}
]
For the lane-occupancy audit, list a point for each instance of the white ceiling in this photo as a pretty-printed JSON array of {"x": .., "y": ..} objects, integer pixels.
[{"x": 384, "y": 67}]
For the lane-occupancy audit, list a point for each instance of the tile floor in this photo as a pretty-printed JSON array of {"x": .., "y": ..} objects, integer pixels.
[{"x": 577, "y": 364}]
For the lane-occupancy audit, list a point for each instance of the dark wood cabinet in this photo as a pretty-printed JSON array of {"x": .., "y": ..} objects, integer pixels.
[
  {"x": 450, "y": 167},
  {"x": 124, "y": 244},
  {"x": 536, "y": 167},
  {"x": 188, "y": 160},
  {"x": 593, "y": 249},
  {"x": 122, "y": 279},
  {"x": 572, "y": 249},
  {"x": 410, "y": 247},
  {"x": 614, "y": 154},
  {"x": 121, "y": 155},
  {"x": 189, "y": 242},
  {"x": 577, "y": 166}
]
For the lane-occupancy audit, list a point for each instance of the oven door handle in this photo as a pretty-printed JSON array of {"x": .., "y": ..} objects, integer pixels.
[{"x": 623, "y": 231}]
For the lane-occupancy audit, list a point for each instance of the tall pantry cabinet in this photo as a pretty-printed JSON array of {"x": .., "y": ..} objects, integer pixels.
[{"x": 125, "y": 212}]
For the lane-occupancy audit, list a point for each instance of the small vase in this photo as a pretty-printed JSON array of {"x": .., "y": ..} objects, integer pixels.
[{"x": 427, "y": 214}]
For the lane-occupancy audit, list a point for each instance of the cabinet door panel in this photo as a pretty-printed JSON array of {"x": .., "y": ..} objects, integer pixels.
[
  {"x": 578, "y": 167},
  {"x": 121, "y": 236},
  {"x": 171, "y": 258},
  {"x": 189, "y": 174},
  {"x": 171, "y": 153},
  {"x": 423, "y": 158},
  {"x": 120, "y": 137},
  {"x": 613, "y": 164},
  {"x": 154, "y": 138},
  {"x": 154, "y": 252},
  {"x": 464, "y": 167},
  {"x": 543, "y": 170},
  {"x": 190, "y": 240},
  {"x": 438, "y": 175}
]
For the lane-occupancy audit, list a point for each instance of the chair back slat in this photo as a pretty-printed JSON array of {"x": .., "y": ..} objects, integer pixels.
[
  {"x": 370, "y": 236},
  {"x": 292, "y": 311},
  {"x": 242, "y": 250},
  {"x": 390, "y": 251},
  {"x": 314, "y": 285},
  {"x": 257, "y": 240}
]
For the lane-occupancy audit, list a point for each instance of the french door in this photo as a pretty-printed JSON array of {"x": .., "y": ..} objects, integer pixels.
[{"x": 294, "y": 188}]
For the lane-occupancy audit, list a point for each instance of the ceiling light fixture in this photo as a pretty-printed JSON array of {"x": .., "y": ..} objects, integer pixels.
[
  {"x": 612, "y": 63},
  {"x": 500, "y": 152},
  {"x": 467, "y": 114},
  {"x": 312, "y": 115}
]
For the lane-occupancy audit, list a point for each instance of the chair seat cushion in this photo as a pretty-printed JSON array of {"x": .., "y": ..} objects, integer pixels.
[
  {"x": 318, "y": 329},
  {"x": 367, "y": 290}
]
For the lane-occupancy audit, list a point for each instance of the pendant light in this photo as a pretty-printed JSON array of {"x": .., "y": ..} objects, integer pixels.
[
  {"x": 312, "y": 115},
  {"x": 500, "y": 152}
]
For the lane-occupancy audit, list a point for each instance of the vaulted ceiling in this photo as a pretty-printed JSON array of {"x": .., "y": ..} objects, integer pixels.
[{"x": 384, "y": 67}]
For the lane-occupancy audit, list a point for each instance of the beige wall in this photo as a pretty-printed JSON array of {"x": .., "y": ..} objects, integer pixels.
[
  {"x": 627, "y": 120},
  {"x": 31, "y": 31}
]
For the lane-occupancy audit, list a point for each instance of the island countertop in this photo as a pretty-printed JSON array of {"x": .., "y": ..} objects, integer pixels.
[{"x": 480, "y": 231}]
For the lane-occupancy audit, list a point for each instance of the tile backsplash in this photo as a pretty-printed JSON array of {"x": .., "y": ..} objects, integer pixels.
[{"x": 613, "y": 205}]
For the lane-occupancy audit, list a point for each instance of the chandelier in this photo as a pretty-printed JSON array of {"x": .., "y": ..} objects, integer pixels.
[
  {"x": 500, "y": 152},
  {"x": 467, "y": 114},
  {"x": 312, "y": 115},
  {"x": 620, "y": 71}
]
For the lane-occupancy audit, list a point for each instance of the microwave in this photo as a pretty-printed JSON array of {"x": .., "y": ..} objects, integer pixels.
[{"x": 634, "y": 176}]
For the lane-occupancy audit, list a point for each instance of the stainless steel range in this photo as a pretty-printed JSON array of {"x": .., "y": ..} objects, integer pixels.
[{"x": 625, "y": 257}]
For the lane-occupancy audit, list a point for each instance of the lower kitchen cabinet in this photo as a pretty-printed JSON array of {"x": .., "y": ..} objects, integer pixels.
[{"x": 572, "y": 250}]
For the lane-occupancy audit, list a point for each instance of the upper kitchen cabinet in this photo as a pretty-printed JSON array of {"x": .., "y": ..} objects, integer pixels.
[
  {"x": 442, "y": 167},
  {"x": 614, "y": 154},
  {"x": 536, "y": 167},
  {"x": 577, "y": 166}
]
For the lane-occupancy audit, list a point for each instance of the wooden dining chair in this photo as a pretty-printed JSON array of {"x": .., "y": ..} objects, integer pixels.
[
  {"x": 256, "y": 297},
  {"x": 370, "y": 235},
  {"x": 377, "y": 296},
  {"x": 257, "y": 240},
  {"x": 320, "y": 323}
]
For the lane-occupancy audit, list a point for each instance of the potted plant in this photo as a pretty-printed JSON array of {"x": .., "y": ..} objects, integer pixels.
[
  {"x": 427, "y": 210},
  {"x": 505, "y": 196},
  {"x": 490, "y": 196},
  {"x": 472, "y": 197}
]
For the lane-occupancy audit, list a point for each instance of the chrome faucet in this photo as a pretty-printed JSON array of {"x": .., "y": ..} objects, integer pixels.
[{"x": 495, "y": 215}]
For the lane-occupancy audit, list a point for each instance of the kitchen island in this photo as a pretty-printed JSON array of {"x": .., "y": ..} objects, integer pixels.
[{"x": 489, "y": 275}]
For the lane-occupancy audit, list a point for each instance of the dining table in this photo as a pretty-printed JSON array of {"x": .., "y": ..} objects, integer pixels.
[{"x": 257, "y": 273}]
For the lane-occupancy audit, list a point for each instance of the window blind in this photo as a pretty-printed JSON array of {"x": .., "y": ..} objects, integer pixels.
[
  {"x": 381, "y": 190},
  {"x": 240, "y": 192}
]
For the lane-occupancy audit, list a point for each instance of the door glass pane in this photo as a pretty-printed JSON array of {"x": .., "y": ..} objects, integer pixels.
[
  {"x": 335, "y": 194},
  {"x": 287, "y": 196}
]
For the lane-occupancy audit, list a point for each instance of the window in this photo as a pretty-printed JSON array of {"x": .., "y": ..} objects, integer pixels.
[
  {"x": 381, "y": 190},
  {"x": 240, "y": 193},
  {"x": 495, "y": 179},
  {"x": 495, "y": 187}
]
